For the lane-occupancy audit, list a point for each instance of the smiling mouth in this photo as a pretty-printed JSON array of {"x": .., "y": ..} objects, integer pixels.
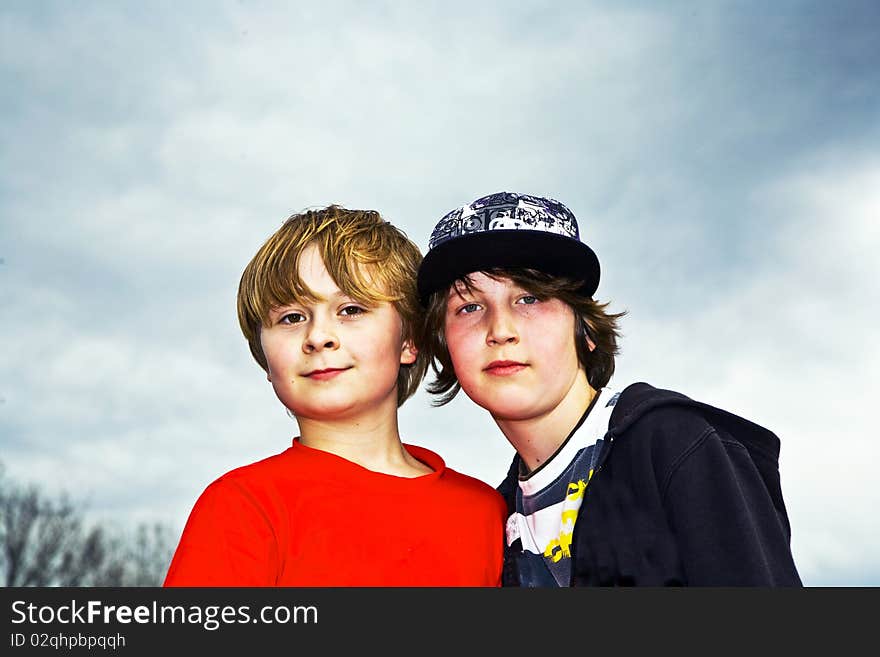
[
  {"x": 504, "y": 367},
  {"x": 324, "y": 375}
]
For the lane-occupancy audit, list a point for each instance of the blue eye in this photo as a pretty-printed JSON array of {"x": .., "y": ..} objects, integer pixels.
[{"x": 469, "y": 308}]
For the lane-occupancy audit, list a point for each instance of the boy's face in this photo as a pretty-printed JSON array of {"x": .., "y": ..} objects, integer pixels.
[
  {"x": 513, "y": 354},
  {"x": 335, "y": 358}
]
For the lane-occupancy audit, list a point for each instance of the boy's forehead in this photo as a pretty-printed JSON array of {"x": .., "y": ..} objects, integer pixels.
[
  {"x": 345, "y": 274},
  {"x": 474, "y": 281},
  {"x": 475, "y": 277},
  {"x": 306, "y": 296},
  {"x": 363, "y": 286}
]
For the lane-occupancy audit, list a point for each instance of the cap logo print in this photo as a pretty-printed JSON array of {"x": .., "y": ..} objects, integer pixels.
[
  {"x": 507, "y": 231},
  {"x": 506, "y": 211}
]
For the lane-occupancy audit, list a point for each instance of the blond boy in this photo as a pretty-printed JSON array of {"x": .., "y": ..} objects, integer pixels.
[{"x": 329, "y": 308}]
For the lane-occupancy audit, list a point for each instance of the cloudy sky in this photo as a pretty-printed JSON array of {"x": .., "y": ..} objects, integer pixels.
[{"x": 723, "y": 159}]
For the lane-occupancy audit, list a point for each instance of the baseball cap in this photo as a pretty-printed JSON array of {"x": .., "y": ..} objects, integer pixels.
[{"x": 507, "y": 230}]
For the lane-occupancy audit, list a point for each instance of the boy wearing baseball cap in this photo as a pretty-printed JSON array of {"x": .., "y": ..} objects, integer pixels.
[
  {"x": 641, "y": 487},
  {"x": 329, "y": 309}
]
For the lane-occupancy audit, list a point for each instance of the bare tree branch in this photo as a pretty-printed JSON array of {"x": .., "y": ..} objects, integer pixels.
[{"x": 43, "y": 542}]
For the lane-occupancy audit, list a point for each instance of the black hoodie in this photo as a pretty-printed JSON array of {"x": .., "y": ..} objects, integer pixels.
[{"x": 685, "y": 494}]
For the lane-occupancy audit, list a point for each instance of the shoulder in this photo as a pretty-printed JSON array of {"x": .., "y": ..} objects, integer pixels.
[
  {"x": 469, "y": 492},
  {"x": 673, "y": 422},
  {"x": 258, "y": 472},
  {"x": 250, "y": 486},
  {"x": 644, "y": 409},
  {"x": 467, "y": 484},
  {"x": 450, "y": 479},
  {"x": 456, "y": 488},
  {"x": 639, "y": 400}
]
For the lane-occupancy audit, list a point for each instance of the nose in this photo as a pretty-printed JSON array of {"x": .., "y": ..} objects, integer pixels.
[
  {"x": 502, "y": 328},
  {"x": 320, "y": 336}
]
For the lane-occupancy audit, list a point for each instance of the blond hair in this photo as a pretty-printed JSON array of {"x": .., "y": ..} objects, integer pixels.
[{"x": 369, "y": 259}]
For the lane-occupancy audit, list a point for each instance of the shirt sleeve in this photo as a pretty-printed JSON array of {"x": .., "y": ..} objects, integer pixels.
[
  {"x": 228, "y": 540},
  {"x": 728, "y": 530}
]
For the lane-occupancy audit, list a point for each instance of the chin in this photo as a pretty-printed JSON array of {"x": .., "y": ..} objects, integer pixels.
[
  {"x": 510, "y": 407},
  {"x": 323, "y": 412},
  {"x": 321, "y": 408}
]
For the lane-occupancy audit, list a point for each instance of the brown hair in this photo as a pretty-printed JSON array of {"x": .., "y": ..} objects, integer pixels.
[
  {"x": 591, "y": 321},
  {"x": 368, "y": 258}
]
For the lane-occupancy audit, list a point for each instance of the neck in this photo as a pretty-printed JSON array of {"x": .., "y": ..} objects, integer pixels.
[
  {"x": 537, "y": 438},
  {"x": 372, "y": 441}
]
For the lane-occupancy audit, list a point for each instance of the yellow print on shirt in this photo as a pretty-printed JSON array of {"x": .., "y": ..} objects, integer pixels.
[{"x": 559, "y": 548}]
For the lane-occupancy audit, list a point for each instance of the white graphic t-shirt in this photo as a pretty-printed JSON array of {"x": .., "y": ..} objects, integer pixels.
[{"x": 548, "y": 499}]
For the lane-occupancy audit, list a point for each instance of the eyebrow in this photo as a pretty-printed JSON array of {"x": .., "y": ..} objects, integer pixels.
[
  {"x": 335, "y": 297},
  {"x": 459, "y": 291}
]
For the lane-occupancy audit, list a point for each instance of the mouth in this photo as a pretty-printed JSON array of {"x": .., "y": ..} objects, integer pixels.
[
  {"x": 325, "y": 374},
  {"x": 504, "y": 367}
]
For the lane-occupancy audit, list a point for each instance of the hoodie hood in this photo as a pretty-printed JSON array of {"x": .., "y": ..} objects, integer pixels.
[{"x": 642, "y": 398}]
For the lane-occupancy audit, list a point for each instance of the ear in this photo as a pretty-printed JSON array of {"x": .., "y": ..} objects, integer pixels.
[{"x": 408, "y": 353}]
